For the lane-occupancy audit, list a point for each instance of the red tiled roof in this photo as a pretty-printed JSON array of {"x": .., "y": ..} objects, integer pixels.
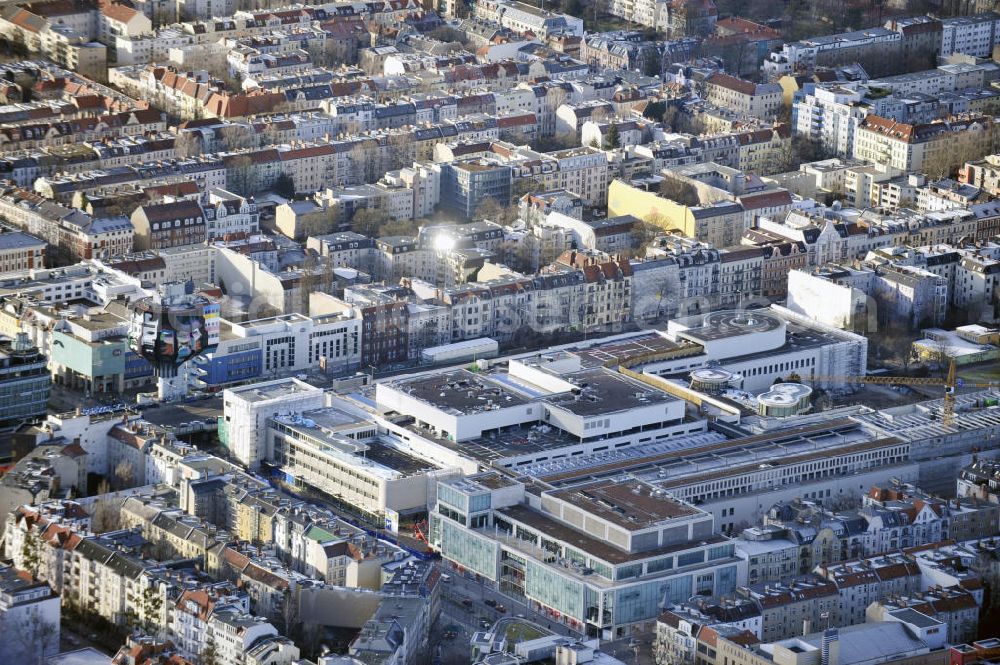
[{"x": 732, "y": 83}]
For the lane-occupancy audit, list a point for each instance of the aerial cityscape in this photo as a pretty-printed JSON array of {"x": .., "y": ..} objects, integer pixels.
[{"x": 499, "y": 332}]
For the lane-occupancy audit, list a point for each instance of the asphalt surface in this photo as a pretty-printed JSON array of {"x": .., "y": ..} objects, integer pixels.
[{"x": 635, "y": 649}]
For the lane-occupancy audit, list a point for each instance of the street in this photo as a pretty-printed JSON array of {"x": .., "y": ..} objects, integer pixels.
[{"x": 635, "y": 648}]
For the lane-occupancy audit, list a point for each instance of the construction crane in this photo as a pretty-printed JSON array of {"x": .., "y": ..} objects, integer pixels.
[{"x": 950, "y": 382}]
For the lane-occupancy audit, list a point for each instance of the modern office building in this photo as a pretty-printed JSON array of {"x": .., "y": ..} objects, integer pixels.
[
  {"x": 280, "y": 345},
  {"x": 599, "y": 557},
  {"x": 465, "y": 185},
  {"x": 25, "y": 382},
  {"x": 341, "y": 455}
]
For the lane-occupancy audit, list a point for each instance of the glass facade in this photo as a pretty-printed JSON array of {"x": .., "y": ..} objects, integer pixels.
[
  {"x": 469, "y": 549},
  {"x": 725, "y": 580},
  {"x": 690, "y": 558},
  {"x": 641, "y": 602},
  {"x": 554, "y": 590},
  {"x": 453, "y": 498},
  {"x": 721, "y": 552}
]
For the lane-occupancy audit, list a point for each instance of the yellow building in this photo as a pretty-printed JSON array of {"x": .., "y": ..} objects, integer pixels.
[
  {"x": 720, "y": 224},
  {"x": 254, "y": 520},
  {"x": 10, "y": 320}
]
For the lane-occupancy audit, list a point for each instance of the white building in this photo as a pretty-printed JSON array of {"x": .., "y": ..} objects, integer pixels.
[
  {"x": 29, "y": 617},
  {"x": 233, "y": 633},
  {"x": 830, "y": 115},
  {"x": 754, "y": 345},
  {"x": 970, "y": 35},
  {"x": 246, "y": 410},
  {"x": 227, "y": 214}
]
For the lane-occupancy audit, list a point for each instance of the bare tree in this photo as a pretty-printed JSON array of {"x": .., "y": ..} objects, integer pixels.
[
  {"x": 106, "y": 515},
  {"x": 365, "y": 159},
  {"x": 400, "y": 150},
  {"x": 961, "y": 147},
  {"x": 942, "y": 353},
  {"x": 34, "y": 634},
  {"x": 124, "y": 475},
  {"x": 494, "y": 211},
  {"x": 679, "y": 191},
  {"x": 369, "y": 221},
  {"x": 189, "y": 143},
  {"x": 242, "y": 176},
  {"x": 236, "y": 136}
]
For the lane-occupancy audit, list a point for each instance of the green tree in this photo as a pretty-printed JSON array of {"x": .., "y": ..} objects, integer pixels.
[
  {"x": 151, "y": 606},
  {"x": 368, "y": 221},
  {"x": 284, "y": 186},
  {"x": 31, "y": 555},
  {"x": 612, "y": 140}
]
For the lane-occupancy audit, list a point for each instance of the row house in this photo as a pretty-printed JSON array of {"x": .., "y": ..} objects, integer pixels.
[
  {"x": 134, "y": 150},
  {"x": 193, "y": 609},
  {"x": 789, "y": 609},
  {"x": 227, "y": 214},
  {"x": 41, "y": 132},
  {"x": 953, "y": 606},
  {"x": 169, "y": 224},
  {"x": 73, "y": 234},
  {"x": 607, "y": 290},
  {"x": 21, "y": 251},
  {"x": 105, "y": 575},
  {"x": 862, "y": 582},
  {"x": 935, "y": 148},
  {"x": 740, "y": 275},
  {"x": 206, "y": 171}
]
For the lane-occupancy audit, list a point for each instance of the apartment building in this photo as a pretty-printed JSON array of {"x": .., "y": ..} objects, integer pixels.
[
  {"x": 522, "y": 18},
  {"x": 169, "y": 224},
  {"x": 974, "y": 35},
  {"x": 227, "y": 214},
  {"x": 73, "y": 234},
  {"x": 862, "y": 582},
  {"x": 830, "y": 115},
  {"x": 21, "y": 251},
  {"x": 925, "y": 147},
  {"x": 787, "y": 609},
  {"x": 29, "y": 616},
  {"x": 846, "y": 297},
  {"x": 751, "y": 100}
]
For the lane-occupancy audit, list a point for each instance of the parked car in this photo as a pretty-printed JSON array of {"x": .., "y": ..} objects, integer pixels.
[{"x": 490, "y": 602}]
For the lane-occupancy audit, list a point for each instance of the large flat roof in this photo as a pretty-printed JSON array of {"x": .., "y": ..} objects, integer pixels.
[
  {"x": 460, "y": 392},
  {"x": 687, "y": 456},
  {"x": 632, "y": 505},
  {"x": 722, "y": 325},
  {"x": 328, "y": 427},
  {"x": 599, "y": 548},
  {"x": 618, "y": 351},
  {"x": 262, "y": 392},
  {"x": 606, "y": 391}
]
